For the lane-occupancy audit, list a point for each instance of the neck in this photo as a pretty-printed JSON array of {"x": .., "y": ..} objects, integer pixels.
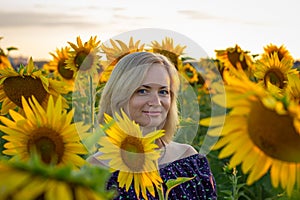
[{"x": 146, "y": 130}]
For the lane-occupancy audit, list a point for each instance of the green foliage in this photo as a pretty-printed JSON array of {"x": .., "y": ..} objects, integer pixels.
[
  {"x": 172, "y": 183},
  {"x": 231, "y": 183},
  {"x": 88, "y": 176}
]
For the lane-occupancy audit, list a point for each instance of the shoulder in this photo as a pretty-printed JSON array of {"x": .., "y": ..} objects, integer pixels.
[
  {"x": 176, "y": 151},
  {"x": 184, "y": 150}
]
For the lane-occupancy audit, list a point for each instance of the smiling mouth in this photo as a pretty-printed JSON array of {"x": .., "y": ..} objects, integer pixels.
[{"x": 152, "y": 113}]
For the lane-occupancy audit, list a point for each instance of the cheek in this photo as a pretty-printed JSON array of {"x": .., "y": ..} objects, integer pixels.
[
  {"x": 135, "y": 104},
  {"x": 167, "y": 104}
]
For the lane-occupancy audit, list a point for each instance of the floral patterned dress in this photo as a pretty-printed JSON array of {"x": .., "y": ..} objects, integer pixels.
[{"x": 203, "y": 186}]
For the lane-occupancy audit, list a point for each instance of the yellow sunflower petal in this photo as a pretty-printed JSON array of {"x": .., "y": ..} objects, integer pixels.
[
  {"x": 137, "y": 181},
  {"x": 239, "y": 156},
  {"x": 259, "y": 169},
  {"x": 275, "y": 171},
  {"x": 250, "y": 161},
  {"x": 292, "y": 178},
  {"x": 62, "y": 191},
  {"x": 6, "y": 106},
  {"x": 32, "y": 190},
  {"x": 216, "y": 121},
  {"x": 283, "y": 175},
  {"x": 77, "y": 148}
]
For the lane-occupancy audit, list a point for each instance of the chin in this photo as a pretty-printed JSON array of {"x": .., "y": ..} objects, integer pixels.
[{"x": 148, "y": 122}]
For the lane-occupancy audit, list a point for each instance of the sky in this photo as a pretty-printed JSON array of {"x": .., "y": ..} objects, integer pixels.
[{"x": 38, "y": 27}]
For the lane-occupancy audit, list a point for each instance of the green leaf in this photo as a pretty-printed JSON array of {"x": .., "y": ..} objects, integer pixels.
[
  {"x": 11, "y": 48},
  {"x": 175, "y": 182},
  {"x": 227, "y": 192}
]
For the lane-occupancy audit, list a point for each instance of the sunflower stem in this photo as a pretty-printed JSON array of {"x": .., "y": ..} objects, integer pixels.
[
  {"x": 160, "y": 192},
  {"x": 92, "y": 102}
]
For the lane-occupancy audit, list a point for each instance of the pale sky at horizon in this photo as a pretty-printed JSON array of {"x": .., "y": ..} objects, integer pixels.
[{"x": 38, "y": 27}]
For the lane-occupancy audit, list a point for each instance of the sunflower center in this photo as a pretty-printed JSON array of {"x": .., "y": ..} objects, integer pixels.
[
  {"x": 18, "y": 86},
  {"x": 84, "y": 60},
  {"x": 133, "y": 154},
  {"x": 65, "y": 73},
  {"x": 274, "y": 134},
  {"x": 190, "y": 71},
  {"x": 48, "y": 144},
  {"x": 234, "y": 58},
  {"x": 275, "y": 77}
]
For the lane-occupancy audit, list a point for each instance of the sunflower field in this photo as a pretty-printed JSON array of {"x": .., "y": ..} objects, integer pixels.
[{"x": 248, "y": 123}]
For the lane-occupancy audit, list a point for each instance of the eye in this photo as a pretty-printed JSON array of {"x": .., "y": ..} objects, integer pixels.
[
  {"x": 164, "y": 92},
  {"x": 141, "y": 91}
]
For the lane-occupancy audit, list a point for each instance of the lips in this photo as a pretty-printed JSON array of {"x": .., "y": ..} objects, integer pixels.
[{"x": 152, "y": 113}]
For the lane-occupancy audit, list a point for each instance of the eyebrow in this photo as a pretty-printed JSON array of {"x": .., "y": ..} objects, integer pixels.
[{"x": 147, "y": 86}]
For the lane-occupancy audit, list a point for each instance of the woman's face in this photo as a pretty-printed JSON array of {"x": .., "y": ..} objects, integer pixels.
[{"x": 150, "y": 103}]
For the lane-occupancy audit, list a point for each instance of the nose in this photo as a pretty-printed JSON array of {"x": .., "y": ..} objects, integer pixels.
[{"x": 154, "y": 100}]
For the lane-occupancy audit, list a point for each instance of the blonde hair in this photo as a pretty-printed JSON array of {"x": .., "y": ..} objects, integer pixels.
[{"x": 127, "y": 76}]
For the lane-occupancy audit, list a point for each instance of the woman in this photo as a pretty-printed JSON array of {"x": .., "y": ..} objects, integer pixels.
[{"x": 145, "y": 86}]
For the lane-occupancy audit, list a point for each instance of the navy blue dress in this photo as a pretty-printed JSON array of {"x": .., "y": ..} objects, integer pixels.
[{"x": 203, "y": 186}]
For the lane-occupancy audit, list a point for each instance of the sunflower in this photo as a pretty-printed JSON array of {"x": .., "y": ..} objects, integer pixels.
[
  {"x": 294, "y": 87},
  {"x": 281, "y": 51},
  {"x": 49, "y": 131},
  {"x": 58, "y": 66},
  {"x": 267, "y": 129},
  {"x": 27, "y": 81},
  {"x": 84, "y": 57},
  {"x": 33, "y": 180},
  {"x": 189, "y": 72},
  {"x": 167, "y": 49},
  {"x": 115, "y": 53},
  {"x": 131, "y": 153},
  {"x": 272, "y": 72},
  {"x": 235, "y": 57}
]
